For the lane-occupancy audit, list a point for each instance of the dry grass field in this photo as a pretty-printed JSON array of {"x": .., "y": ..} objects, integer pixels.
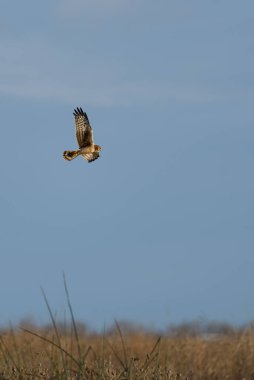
[
  {"x": 68, "y": 351},
  {"x": 57, "y": 354}
]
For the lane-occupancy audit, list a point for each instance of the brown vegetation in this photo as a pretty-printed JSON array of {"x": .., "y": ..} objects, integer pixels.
[{"x": 58, "y": 354}]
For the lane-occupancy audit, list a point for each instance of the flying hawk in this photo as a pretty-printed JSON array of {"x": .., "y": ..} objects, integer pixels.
[{"x": 84, "y": 135}]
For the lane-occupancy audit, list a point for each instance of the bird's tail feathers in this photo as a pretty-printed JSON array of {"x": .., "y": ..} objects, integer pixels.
[{"x": 70, "y": 154}]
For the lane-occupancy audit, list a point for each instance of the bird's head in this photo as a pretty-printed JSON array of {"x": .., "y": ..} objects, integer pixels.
[{"x": 97, "y": 148}]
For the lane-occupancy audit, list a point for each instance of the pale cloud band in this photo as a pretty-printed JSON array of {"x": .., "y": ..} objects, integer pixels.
[
  {"x": 109, "y": 96},
  {"x": 25, "y": 74},
  {"x": 35, "y": 68}
]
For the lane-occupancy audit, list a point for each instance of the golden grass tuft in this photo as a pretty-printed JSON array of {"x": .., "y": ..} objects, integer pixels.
[
  {"x": 68, "y": 352},
  {"x": 136, "y": 356}
]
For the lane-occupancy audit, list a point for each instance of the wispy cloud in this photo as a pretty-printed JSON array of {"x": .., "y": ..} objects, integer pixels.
[
  {"x": 124, "y": 94},
  {"x": 81, "y": 68},
  {"x": 42, "y": 72}
]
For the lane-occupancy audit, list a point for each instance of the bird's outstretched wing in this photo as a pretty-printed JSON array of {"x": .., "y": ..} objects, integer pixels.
[
  {"x": 90, "y": 157},
  {"x": 84, "y": 131}
]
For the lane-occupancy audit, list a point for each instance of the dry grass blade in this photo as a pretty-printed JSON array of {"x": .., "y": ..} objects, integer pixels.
[
  {"x": 55, "y": 329},
  {"x": 149, "y": 358},
  {"x": 73, "y": 320},
  {"x": 155, "y": 346},
  {"x": 124, "y": 363},
  {"x": 123, "y": 345},
  {"x": 7, "y": 353},
  {"x": 62, "y": 350},
  {"x": 116, "y": 355},
  {"x": 15, "y": 346}
]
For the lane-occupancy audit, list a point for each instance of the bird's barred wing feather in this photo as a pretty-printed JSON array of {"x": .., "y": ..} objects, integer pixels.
[
  {"x": 91, "y": 156},
  {"x": 84, "y": 131}
]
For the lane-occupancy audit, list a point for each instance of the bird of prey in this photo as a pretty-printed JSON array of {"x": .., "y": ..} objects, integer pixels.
[{"x": 84, "y": 134}]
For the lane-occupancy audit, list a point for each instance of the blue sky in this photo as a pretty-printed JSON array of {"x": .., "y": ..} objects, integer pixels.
[{"x": 160, "y": 229}]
